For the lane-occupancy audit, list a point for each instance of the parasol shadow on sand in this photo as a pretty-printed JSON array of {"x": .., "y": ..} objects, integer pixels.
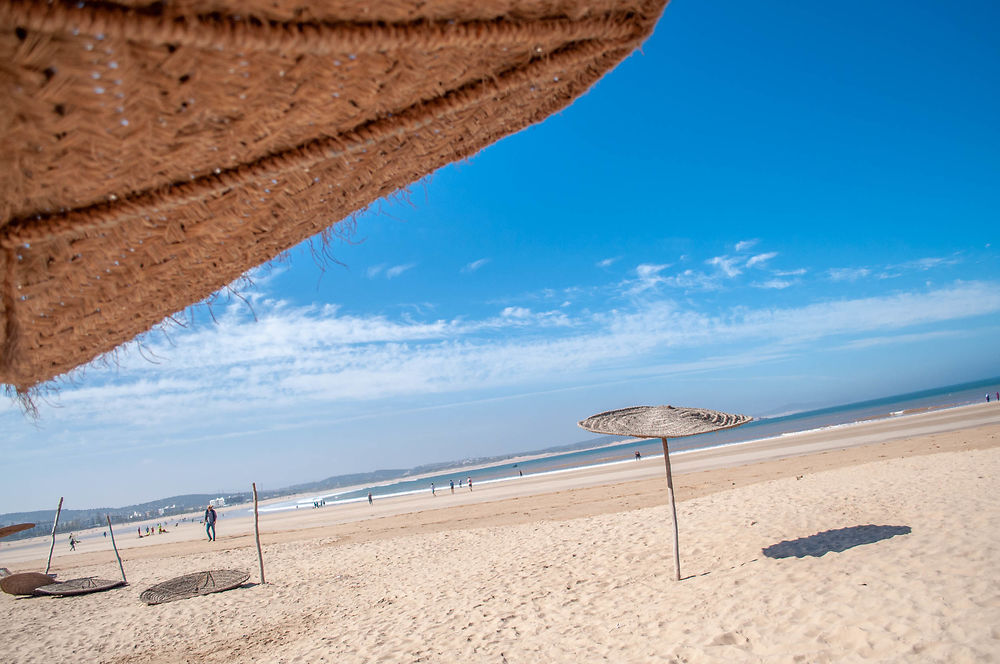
[
  {"x": 159, "y": 151},
  {"x": 663, "y": 422},
  {"x": 837, "y": 540}
]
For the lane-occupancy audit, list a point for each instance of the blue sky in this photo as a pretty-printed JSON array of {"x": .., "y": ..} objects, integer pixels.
[{"x": 773, "y": 205}]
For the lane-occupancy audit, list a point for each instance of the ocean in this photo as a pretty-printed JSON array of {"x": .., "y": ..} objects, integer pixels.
[{"x": 763, "y": 428}]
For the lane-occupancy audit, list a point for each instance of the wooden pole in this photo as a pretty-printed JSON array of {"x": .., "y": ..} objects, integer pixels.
[
  {"x": 115, "y": 547},
  {"x": 256, "y": 531},
  {"x": 673, "y": 509},
  {"x": 54, "y": 524}
]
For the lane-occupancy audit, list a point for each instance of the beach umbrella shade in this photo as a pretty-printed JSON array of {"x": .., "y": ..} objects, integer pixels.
[
  {"x": 663, "y": 422},
  {"x": 155, "y": 152}
]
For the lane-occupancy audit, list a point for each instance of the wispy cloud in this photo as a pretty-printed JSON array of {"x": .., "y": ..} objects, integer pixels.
[
  {"x": 608, "y": 262},
  {"x": 728, "y": 265},
  {"x": 475, "y": 265},
  {"x": 776, "y": 284},
  {"x": 928, "y": 263},
  {"x": 743, "y": 245},
  {"x": 693, "y": 280},
  {"x": 295, "y": 359},
  {"x": 390, "y": 272},
  {"x": 848, "y": 273},
  {"x": 648, "y": 276},
  {"x": 896, "y": 339},
  {"x": 893, "y": 270},
  {"x": 397, "y": 270},
  {"x": 760, "y": 259}
]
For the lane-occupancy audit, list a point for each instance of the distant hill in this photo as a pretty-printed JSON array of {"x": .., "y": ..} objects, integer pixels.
[{"x": 74, "y": 520}]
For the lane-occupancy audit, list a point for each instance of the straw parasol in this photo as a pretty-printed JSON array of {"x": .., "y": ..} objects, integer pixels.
[
  {"x": 24, "y": 583},
  {"x": 82, "y": 586},
  {"x": 663, "y": 422},
  {"x": 155, "y": 152},
  {"x": 192, "y": 585}
]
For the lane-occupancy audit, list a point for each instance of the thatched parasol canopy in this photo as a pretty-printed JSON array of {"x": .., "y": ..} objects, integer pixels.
[
  {"x": 15, "y": 528},
  {"x": 24, "y": 583},
  {"x": 83, "y": 586},
  {"x": 192, "y": 585},
  {"x": 661, "y": 421},
  {"x": 155, "y": 152}
]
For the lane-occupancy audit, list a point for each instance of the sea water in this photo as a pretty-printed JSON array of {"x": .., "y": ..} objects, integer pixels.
[{"x": 761, "y": 428}]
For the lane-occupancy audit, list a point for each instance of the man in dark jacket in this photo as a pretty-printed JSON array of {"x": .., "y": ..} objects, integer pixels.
[{"x": 210, "y": 523}]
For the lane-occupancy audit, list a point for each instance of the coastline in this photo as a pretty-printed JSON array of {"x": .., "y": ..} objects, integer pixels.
[
  {"x": 729, "y": 462},
  {"x": 891, "y": 527}
]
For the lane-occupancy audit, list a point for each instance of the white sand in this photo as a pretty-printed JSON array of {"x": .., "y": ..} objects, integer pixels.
[{"x": 522, "y": 580}]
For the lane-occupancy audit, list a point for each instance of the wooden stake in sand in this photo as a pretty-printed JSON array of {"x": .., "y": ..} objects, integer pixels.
[
  {"x": 256, "y": 532},
  {"x": 673, "y": 509},
  {"x": 54, "y": 524},
  {"x": 115, "y": 547}
]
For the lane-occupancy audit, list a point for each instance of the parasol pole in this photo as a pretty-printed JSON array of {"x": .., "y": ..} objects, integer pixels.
[
  {"x": 673, "y": 509},
  {"x": 115, "y": 547},
  {"x": 54, "y": 524},
  {"x": 256, "y": 532}
]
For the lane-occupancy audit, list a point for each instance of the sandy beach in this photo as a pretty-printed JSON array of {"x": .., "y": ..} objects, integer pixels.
[{"x": 870, "y": 542}]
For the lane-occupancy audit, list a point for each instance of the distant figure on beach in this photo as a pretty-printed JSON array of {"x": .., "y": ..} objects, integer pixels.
[
  {"x": 105, "y": 534},
  {"x": 140, "y": 531},
  {"x": 369, "y": 497},
  {"x": 453, "y": 486},
  {"x": 72, "y": 543},
  {"x": 210, "y": 517},
  {"x": 520, "y": 474},
  {"x": 469, "y": 482},
  {"x": 432, "y": 489},
  {"x": 987, "y": 397},
  {"x": 637, "y": 455}
]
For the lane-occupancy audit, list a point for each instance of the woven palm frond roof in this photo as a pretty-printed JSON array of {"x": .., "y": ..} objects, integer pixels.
[
  {"x": 661, "y": 421},
  {"x": 157, "y": 151}
]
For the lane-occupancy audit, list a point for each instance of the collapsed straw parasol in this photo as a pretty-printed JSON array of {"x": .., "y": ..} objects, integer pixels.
[
  {"x": 158, "y": 151},
  {"x": 663, "y": 422}
]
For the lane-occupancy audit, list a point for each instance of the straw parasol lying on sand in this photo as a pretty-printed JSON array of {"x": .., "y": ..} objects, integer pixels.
[
  {"x": 192, "y": 585},
  {"x": 157, "y": 151},
  {"x": 663, "y": 422},
  {"x": 82, "y": 586}
]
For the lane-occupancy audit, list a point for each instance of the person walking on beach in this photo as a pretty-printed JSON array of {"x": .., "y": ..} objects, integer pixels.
[
  {"x": 453, "y": 486},
  {"x": 210, "y": 517},
  {"x": 432, "y": 489},
  {"x": 72, "y": 542},
  {"x": 369, "y": 497},
  {"x": 469, "y": 482}
]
